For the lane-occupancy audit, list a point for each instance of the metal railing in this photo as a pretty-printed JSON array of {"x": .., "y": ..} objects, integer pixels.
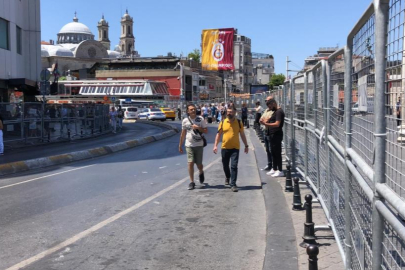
[
  {"x": 35, "y": 123},
  {"x": 344, "y": 134}
]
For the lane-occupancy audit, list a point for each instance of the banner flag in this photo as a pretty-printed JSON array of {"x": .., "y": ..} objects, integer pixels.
[{"x": 217, "y": 49}]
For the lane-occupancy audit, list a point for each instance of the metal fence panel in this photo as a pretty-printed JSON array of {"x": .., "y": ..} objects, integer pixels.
[{"x": 36, "y": 123}]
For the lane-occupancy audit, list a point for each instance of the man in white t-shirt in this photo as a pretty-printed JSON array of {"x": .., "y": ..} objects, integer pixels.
[{"x": 193, "y": 127}]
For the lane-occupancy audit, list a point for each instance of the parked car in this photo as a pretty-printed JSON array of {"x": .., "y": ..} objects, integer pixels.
[
  {"x": 130, "y": 112},
  {"x": 152, "y": 114},
  {"x": 170, "y": 114}
]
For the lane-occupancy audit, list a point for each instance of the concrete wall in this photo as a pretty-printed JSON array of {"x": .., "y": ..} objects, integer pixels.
[{"x": 26, "y": 15}]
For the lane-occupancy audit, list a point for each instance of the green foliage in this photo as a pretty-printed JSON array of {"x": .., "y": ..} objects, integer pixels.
[
  {"x": 276, "y": 80},
  {"x": 195, "y": 55}
]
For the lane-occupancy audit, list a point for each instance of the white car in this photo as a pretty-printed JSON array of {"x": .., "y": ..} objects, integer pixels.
[
  {"x": 152, "y": 114},
  {"x": 130, "y": 112}
]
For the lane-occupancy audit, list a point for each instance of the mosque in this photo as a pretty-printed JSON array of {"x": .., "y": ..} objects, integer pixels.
[{"x": 76, "y": 49}]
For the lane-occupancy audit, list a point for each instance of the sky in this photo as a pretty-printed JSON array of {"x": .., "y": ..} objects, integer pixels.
[{"x": 293, "y": 28}]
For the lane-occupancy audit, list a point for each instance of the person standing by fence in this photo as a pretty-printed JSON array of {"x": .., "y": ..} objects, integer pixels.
[
  {"x": 259, "y": 110},
  {"x": 1, "y": 136},
  {"x": 230, "y": 128},
  {"x": 244, "y": 114},
  {"x": 263, "y": 120},
  {"x": 275, "y": 125},
  {"x": 399, "y": 111}
]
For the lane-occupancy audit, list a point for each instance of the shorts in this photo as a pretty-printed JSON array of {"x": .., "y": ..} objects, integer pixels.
[
  {"x": 195, "y": 154},
  {"x": 205, "y": 115}
]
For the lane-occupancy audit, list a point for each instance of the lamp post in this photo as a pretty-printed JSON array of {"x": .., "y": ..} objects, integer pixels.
[
  {"x": 225, "y": 86},
  {"x": 179, "y": 64}
]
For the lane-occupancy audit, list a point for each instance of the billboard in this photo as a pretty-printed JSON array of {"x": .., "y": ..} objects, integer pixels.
[
  {"x": 217, "y": 49},
  {"x": 258, "y": 89}
]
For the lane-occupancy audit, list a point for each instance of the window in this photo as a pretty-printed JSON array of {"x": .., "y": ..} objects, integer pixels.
[
  {"x": 19, "y": 40},
  {"x": 4, "y": 34},
  {"x": 105, "y": 34},
  {"x": 129, "y": 30}
]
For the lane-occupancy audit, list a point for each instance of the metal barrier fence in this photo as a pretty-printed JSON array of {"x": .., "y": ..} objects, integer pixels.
[
  {"x": 344, "y": 134},
  {"x": 32, "y": 123}
]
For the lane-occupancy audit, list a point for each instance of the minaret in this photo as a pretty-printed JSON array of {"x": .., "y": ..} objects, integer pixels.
[
  {"x": 127, "y": 40},
  {"x": 103, "y": 33}
]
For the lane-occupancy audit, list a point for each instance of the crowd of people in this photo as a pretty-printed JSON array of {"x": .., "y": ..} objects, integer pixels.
[{"x": 230, "y": 128}]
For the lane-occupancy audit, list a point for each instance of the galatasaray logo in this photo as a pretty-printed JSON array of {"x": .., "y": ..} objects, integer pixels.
[{"x": 218, "y": 51}]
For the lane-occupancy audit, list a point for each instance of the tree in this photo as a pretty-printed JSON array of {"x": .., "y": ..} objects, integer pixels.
[
  {"x": 195, "y": 55},
  {"x": 276, "y": 80}
]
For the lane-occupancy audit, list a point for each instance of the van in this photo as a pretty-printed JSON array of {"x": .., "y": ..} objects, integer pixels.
[{"x": 130, "y": 112}]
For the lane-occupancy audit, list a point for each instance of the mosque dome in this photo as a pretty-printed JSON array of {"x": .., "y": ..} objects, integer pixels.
[
  {"x": 75, "y": 28},
  {"x": 74, "y": 33}
]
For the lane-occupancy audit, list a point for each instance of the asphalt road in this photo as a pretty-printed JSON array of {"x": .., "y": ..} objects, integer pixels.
[{"x": 132, "y": 210}]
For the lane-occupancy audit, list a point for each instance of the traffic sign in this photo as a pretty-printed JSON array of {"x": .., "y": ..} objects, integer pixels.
[
  {"x": 45, "y": 75},
  {"x": 128, "y": 100},
  {"x": 181, "y": 97},
  {"x": 113, "y": 99}
]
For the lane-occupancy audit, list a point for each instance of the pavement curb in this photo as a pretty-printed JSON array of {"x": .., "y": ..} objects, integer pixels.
[
  {"x": 281, "y": 250},
  {"x": 37, "y": 163}
]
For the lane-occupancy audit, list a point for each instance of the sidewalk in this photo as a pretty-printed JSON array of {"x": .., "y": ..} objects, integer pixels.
[{"x": 287, "y": 225}]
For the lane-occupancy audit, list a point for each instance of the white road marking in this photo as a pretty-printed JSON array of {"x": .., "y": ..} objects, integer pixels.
[
  {"x": 42, "y": 177},
  {"x": 178, "y": 164},
  {"x": 101, "y": 225},
  {"x": 144, "y": 172},
  {"x": 162, "y": 167}
]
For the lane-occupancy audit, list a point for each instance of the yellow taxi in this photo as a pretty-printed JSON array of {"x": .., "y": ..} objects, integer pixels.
[{"x": 170, "y": 114}]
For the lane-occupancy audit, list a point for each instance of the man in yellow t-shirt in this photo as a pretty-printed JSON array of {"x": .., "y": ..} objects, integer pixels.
[{"x": 230, "y": 129}]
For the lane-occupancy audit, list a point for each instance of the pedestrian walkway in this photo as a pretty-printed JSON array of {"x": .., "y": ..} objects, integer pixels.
[
  {"x": 130, "y": 131},
  {"x": 276, "y": 198}
]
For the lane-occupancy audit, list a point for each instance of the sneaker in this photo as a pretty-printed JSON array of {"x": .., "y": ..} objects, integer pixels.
[
  {"x": 267, "y": 168},
  {"x": 271, "y": 172},
  {"x": 191, "y": 186},
  {"x": 278, "y": 174},
  {"x": 202, "y": 178},
  {"x": 234, "y": 188},
  {"x": 226, "y": 182}
]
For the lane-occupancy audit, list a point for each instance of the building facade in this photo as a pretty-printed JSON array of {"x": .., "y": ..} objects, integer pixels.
[
  {"x": 263, "y": 68},
  {"x": 20, "y": 49}
]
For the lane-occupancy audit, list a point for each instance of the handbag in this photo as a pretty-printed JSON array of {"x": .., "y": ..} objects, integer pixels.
[{"x": 199, "y": 133}]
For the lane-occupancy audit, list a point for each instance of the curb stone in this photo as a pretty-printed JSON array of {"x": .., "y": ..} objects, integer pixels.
[{"x": 37, "y": 163}]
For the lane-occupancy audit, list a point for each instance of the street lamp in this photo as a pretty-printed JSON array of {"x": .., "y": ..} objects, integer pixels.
[{"x": 179, "y": 64}]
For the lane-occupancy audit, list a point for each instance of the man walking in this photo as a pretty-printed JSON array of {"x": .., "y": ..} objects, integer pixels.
[
  {"x": 275, "y": 126},
  {"x": 230, "y": 128},
  {"x": 263, "y": 120},
  {"x": 193, "y": 127}
]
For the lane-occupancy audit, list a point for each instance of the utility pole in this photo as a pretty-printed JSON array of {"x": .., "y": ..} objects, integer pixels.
[{"x": 286, "y": 75}]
